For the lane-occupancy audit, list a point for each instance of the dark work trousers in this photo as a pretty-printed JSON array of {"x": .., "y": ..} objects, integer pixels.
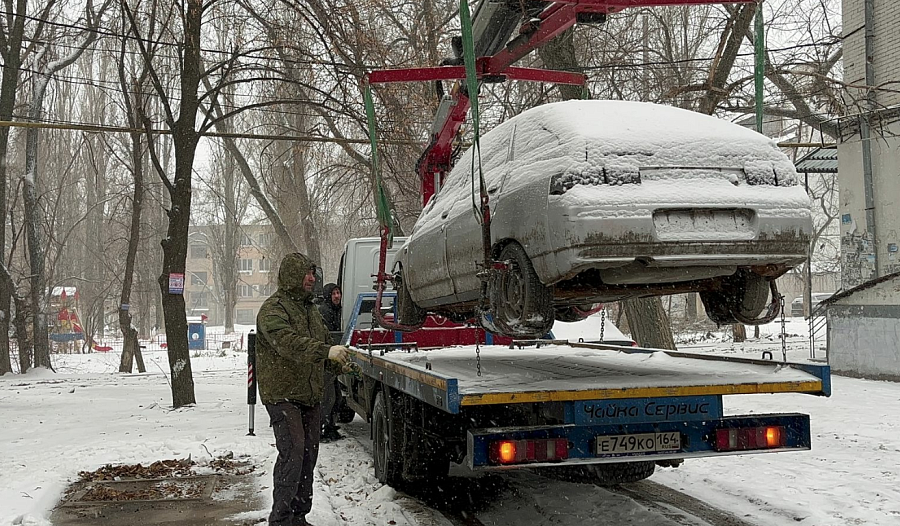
[
  {"x": 297, "y": 429},
  {"x": 329, "y": 399}
]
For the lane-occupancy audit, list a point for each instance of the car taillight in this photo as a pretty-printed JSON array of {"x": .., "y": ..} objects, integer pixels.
[
  {"x": 746, "y": 438},
  {"x": 533, "y": 450}
]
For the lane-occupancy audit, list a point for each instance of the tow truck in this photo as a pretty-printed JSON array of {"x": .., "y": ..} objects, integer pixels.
[{"x": 447, "y": 391}]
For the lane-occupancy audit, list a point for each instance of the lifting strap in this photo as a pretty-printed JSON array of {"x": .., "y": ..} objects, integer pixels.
[{"x": 382, "y": 205}]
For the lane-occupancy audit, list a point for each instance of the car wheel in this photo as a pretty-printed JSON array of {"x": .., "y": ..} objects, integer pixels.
[
  {"x": 407, "y": 310},
  {"x": 387, "y": 437},
  {"x": 522, "y": 305},
  {"x": 744, "y": 293}
]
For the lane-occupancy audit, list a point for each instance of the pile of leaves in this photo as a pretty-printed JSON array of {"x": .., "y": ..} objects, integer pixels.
[
  {"x": 158, "y": 491},
  {"x": 157, "y": 470},
  {"x": 228, "y": 465}
]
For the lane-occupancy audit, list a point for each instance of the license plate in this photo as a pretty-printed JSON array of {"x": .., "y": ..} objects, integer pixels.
[{"x": 639, "y": 443}]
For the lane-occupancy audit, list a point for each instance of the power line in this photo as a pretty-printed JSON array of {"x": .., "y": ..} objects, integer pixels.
[{"x": 95, "y": 128}]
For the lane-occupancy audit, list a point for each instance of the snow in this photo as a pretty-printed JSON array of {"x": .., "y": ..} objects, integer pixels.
[
  {"x": 506, "y": 370},
  {"x": 86, "y": 415}
]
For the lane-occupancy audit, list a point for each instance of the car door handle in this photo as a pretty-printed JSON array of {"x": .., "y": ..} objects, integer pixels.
[{"x": 444, "y": 215}]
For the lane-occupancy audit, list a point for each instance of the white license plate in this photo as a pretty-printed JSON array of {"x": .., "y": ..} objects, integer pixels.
[{"x": 639, "y": 443}]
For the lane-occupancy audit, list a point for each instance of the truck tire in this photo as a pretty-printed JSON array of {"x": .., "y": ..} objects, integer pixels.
[
  {"x": 522, "y": 305},
  {"x": 387, "y": 441},
  {"x": 604, "y": 474}
]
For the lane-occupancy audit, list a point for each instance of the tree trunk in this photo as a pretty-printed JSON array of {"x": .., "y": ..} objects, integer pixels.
[
  {"x": 559, "y": 54},
  {"x": 23, "y": 336},
  {"x": 131, "y": 346},
  {"x": 648, "y": 323},
  {"x": 740, "y": 332},
  {"x": 33, "y": 222},
  {"x": 12, "y": 62}
]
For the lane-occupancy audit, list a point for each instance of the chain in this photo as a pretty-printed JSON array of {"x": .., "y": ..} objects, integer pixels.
[
  {"x": 602, "y": 324},
  {"x": 783, "y": 333},
  {"x": 477, "y": 354}
]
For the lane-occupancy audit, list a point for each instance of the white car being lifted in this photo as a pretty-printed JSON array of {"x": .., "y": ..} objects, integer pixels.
[{"x": 596, "y": 201}]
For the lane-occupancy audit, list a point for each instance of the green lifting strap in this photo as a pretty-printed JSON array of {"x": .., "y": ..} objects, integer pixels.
[
  {"x": 472, "y": 87},
  {"x": 382, "y": 205}
]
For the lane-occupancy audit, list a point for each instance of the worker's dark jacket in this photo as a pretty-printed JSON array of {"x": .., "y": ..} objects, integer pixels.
[
  {"x": 291, "y": 347},
  {"x": 331, "y": 313}
]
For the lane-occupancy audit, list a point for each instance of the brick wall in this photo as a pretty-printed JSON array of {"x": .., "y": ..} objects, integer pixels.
[{"x": 887, "y": 47}]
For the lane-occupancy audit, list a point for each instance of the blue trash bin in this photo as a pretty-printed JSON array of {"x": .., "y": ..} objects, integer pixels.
[{"x": 196, "y": 333}]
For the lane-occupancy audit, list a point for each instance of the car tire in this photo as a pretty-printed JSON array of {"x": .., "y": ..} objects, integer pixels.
[
  {"x": 604, "y": 474},
  {"x": 407, "y": 310},
  {"x": 743, "y": 293},
  {"x": 387, "y": 441},
  {"x": 522, "y": 305}
]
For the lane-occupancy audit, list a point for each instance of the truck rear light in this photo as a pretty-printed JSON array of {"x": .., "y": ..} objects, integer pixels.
[
  {"x": 531, "y": 450},
  {"x": 747, "y": 438}
]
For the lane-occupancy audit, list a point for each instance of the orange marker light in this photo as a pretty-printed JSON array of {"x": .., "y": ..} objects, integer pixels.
[
  {"x": 773, "y": 437},
  {"x": 507, "y": 452}
]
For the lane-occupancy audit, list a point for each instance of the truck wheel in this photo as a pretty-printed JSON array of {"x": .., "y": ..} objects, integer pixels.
[
  {"x": 604, "y": 474},
  {"x": 408, "y": 311},
  {"x": 387, "y": 439},
  {"x": 744, "y": 293},
  {"x": 523, "y": 306}
]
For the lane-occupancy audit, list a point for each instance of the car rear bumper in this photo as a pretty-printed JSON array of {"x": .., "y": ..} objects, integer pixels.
[{"x": 769, "y": 226}]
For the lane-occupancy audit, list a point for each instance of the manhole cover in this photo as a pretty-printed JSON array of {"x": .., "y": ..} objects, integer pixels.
[{"x": 143, "y": 490}]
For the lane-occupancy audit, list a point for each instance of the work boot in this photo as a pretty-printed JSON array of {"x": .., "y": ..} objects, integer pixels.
[{"x": 330, "y": 434}]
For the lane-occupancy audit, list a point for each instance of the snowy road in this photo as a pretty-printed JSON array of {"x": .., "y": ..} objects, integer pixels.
[{"x": 87, "y": 415}]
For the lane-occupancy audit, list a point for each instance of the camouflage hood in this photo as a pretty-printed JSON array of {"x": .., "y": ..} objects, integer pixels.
[{"x": 293, "y": 269}]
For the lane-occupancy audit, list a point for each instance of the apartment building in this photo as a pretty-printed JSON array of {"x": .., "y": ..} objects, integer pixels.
[{"x": 203, "y": 293}]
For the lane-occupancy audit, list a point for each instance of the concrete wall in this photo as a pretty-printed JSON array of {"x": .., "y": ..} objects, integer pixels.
[
  {"x": 864, "y": 332},
  {"x": 857, "y": 250}
]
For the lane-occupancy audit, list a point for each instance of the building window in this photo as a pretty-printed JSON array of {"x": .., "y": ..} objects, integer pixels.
[
  {"x": 199, "y": 300},
  {"x": 198, "y": 252},
  {"x": 245, "y": 291},
  {"x": 244, "y": 316},
  {"x": 246, "y": 266},
  {"x": 246, "y": 240},
  {"x": 265, "y": 265},
  {"x": 198, "y": 278},
  {"x": 265, "y": 239}
]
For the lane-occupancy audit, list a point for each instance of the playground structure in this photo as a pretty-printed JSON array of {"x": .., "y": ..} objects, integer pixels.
[{"x": 66, "y": 328}]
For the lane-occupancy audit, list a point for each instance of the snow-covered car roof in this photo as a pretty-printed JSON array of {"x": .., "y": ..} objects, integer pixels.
[{"x": 624, "y": 135}]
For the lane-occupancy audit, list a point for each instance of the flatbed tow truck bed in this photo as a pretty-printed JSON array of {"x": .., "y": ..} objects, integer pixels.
[
  {"x": 554, "y": 403},
  {"x": 451, "y": 378}
]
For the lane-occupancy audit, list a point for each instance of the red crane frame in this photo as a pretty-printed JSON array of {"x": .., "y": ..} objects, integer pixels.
[{"x": 436, "y": 160}]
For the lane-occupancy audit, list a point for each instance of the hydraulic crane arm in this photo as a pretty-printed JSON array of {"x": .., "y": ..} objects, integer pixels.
[{"x": 503, "y": 32}]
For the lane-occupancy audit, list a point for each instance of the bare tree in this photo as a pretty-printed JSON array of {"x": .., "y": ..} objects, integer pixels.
[{"x": 33, "y": 218}]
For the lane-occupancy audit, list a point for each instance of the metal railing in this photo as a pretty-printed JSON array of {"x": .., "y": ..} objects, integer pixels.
[{"x": 817, "y": 323}]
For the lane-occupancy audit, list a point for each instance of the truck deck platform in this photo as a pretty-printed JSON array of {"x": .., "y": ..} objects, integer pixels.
[{"x": 451, "y": 378}]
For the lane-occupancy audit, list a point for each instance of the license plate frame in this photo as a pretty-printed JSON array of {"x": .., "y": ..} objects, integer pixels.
[{"x": 637, "y": 444}]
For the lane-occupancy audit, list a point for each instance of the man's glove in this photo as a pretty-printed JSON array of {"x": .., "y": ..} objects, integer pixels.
[{"x": 339, "y": 354}]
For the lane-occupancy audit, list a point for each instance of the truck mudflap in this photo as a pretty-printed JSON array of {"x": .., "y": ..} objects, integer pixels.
[{"x": 631, "y": 441}]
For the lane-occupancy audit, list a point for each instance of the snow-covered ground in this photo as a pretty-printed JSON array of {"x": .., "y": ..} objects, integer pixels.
[{"x": 86, "y": 415}]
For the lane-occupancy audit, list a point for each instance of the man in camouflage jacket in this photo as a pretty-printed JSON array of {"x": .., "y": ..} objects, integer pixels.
[{"x": 292, "y": 354}]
